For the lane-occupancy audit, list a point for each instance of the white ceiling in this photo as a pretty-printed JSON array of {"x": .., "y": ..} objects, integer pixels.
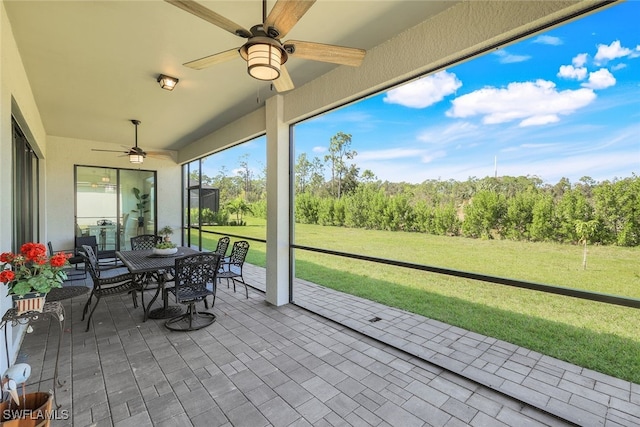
[{"x": 93, "y": 65}]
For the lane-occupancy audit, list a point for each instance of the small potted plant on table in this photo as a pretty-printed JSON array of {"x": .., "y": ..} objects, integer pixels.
[
  {"x": 166, "y": 233},
  {"x": 166, "y": 247},
  {"x": 31, "y": 274}
]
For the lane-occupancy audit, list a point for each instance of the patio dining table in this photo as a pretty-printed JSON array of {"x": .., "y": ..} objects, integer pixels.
[{"x": 142, "y": 264}]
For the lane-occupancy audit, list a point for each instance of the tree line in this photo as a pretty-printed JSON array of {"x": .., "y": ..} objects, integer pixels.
[
  {"x": 519, "y": 208},
  {"x": 332, "y": 190}
]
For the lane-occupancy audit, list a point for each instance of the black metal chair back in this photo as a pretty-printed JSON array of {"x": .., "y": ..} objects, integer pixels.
[
  {"x": 195, "y": 279},
  {"x": 239, "y": 253},
  {"x": 74, "y": 260},
  {"x": 107, "y": 286},
  {"x": 231, "y": 267},
  {"x": 223, "y": 244},
  {"x": 86, "y": 241},
  {"x": 144, "y": 241},
  {"x": 91, "y": 261}
]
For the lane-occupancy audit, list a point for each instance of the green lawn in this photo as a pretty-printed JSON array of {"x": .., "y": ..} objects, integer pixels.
[{"x": 598, "y": 336}]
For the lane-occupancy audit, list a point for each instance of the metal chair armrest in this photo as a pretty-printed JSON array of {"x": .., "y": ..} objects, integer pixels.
[{"x": 126, "y": 277}]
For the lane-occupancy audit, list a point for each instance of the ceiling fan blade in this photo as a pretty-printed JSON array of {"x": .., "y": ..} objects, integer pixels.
[
  {"x": 285, "y": 14},
  {"x": 160, "y": 155},
  {"x": 210, "y": 16},
  {"x": 214, "y": 59},
  {"x": 109, "y": 151},
  {"x": 284, "y": 82},
  {"x": 327, "y": 53}
]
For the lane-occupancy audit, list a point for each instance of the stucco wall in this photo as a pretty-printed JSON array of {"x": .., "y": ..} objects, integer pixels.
[{"x": 15, "y": 98}]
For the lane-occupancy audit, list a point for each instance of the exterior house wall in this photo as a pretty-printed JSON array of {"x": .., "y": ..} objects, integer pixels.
[
  {"x": 16, "y": 99},
  {"x": 57, "y": 159}
]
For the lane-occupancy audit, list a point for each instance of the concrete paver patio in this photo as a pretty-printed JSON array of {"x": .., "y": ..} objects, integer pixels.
[{"x": 262, "y": 365}]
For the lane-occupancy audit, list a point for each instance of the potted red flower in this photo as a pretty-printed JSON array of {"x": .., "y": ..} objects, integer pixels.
[{"x": 31, "y": 274}]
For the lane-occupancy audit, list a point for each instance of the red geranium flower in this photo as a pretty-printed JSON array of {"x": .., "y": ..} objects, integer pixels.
[
  {"x": 6, "y": 257},
  {"x": 58, "y": 260},
  {"x": 31, "y": 270},
  {"x": 7, "y": 276}
]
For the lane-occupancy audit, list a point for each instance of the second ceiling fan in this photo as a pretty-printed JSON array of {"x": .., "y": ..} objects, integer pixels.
[
  {"x": 136, "y": 154},
  {"x": 264, "y": 51}
]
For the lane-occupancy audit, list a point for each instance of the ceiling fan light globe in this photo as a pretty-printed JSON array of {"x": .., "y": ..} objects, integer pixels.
[
  {"x": 136, "y": 158},
  {"x": 263, "y": 61}
]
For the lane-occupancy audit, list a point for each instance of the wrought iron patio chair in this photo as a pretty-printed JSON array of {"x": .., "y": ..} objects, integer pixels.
[
  {"x": 195, "y": 280},
  {"x": 221, "y": 248},
  {"x": 107, "y": 286},
  {"x": 144, "y": 241},
  {"x": 231, "y": 267},
  {"x": 106, "y": 259},
  {"x": 75, "y": 260}
]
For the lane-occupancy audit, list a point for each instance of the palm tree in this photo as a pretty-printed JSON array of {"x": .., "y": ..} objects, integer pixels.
[{"x": 238, "y": 207}]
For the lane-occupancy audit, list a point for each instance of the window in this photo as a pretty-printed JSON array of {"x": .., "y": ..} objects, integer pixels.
[{"x": 225, "y": 194}]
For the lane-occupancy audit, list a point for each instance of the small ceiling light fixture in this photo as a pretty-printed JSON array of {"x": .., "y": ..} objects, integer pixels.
[
  {"x": 264, "y": 57},
  {"x": 167, "y": 82}
]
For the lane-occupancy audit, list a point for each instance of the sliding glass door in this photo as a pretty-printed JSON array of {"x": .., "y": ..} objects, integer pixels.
[{"x": 114, "y": 205}]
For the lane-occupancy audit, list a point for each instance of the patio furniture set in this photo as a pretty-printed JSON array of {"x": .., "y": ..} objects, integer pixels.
[{"x": 189, "y": 275}]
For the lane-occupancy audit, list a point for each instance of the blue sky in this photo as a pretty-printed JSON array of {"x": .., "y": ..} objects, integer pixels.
[{"x": 565, "y": 103}]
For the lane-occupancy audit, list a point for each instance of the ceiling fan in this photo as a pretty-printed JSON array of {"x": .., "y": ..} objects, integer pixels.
[
  {"x": 135, "y": 153},
  {"x": 264, "y": 51}
]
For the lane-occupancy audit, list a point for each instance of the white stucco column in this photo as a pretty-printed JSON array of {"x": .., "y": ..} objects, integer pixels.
[{"x": 277, "y": 202}]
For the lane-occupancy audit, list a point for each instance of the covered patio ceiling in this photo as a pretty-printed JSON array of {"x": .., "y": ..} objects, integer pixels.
[{"x": 92, "y": 65}]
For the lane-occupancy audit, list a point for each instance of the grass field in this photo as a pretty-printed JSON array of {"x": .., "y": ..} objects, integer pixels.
[{"x": 597, "y": 336}]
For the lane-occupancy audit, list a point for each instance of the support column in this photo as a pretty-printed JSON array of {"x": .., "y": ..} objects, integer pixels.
[{"x": 277, "y": 203}]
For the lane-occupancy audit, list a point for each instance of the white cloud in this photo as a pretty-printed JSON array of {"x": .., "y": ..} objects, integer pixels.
[
  {"x": 508, "y": 58},
  {"x": 425, "y": 91},
  {"x": 550, "y": 40},
  {"x": 600, "y": 79},
  {"x": 540, "y": 120},
  {"x": 538, "y": 145},
  {"x": 533, "y": 103},
  {"x": 392, "y": 153},
  {"x": 444, "y": 135},
  {"x": 571, "y": 72},
  {"x": 580, "y": 59},
  {"x": 577, "y": 68},
  {"x": 613, "y": 51},
  {"x": 319, "y": 149},
  {"x": 428, "y": 158}
]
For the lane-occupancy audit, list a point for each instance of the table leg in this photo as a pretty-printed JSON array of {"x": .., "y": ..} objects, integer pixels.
[{"x": 166, "y": 311}]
